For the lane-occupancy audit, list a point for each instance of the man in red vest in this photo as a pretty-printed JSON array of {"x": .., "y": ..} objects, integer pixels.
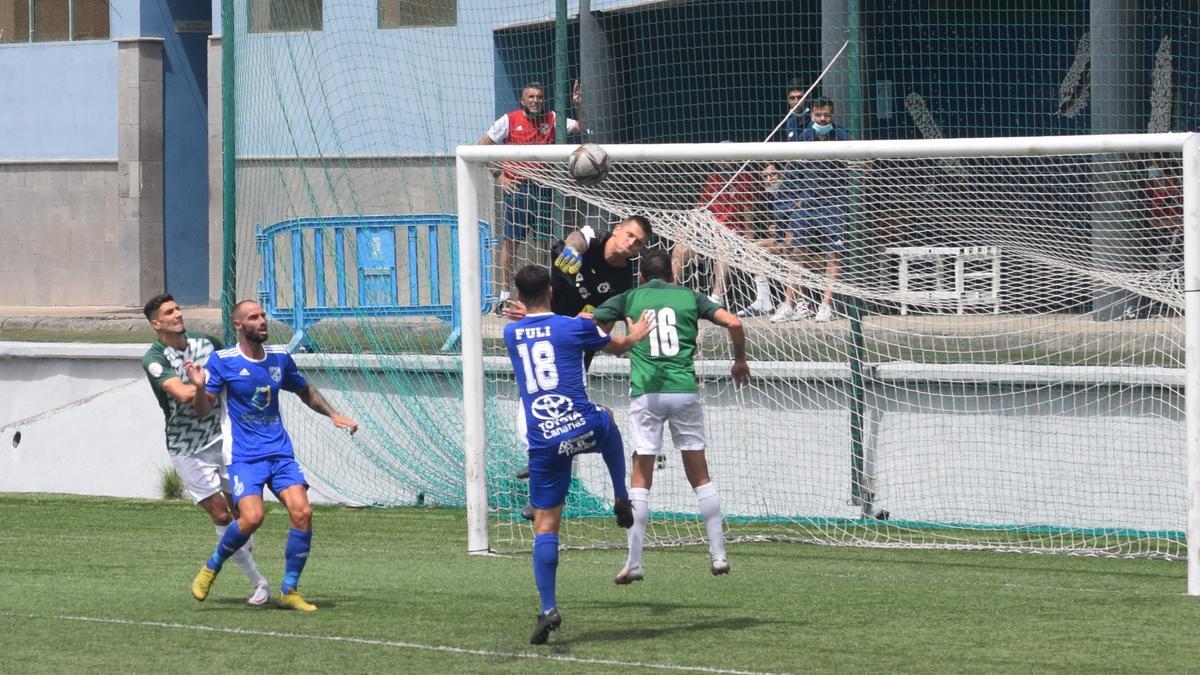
[{"x": 526, "y": 205}]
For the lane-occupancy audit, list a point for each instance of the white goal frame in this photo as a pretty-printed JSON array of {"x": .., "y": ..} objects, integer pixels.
[{"x": 473, "y": 181}]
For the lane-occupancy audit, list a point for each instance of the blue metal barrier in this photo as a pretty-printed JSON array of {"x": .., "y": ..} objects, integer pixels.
[{"x": 373, "y": 264}]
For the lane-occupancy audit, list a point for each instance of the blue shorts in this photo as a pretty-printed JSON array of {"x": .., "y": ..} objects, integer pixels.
[
  {"x": 527, "y": 208},
  {"x": 817, "y": 228},
  {"x": 248, "y": 478},
  {"x": 550, "y": 465}
]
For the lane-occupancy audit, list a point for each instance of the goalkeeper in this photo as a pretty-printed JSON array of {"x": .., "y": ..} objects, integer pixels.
[
  {"x": 590, "y": 268},
  {"x": 663, "y": 389}
]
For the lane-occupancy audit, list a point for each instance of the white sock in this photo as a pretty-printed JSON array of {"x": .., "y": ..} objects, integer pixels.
[
  {"x": 640, "y": 499},
  {"x": 244, "y": 560},
  {"x": 763, "y": 287},
  {"x": 710, "y": 510}
]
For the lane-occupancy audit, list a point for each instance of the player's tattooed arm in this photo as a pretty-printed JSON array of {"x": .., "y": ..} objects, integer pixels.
[
  {"x": 313, "y": 399},
  {"x": 576, "y": 241}
]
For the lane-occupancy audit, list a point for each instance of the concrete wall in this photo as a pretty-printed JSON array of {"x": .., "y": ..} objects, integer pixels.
[
  {"x": 108, "y": 241},
  {"x": 216, "y": 168},
  {"x": 61, "y": 231},
  {"x": 95, "y": 228},
  {"x": 140, "y": 146},
  {"x": 117, "y": 230}
]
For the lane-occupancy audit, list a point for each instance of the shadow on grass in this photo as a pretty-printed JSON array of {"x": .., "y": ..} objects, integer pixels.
[
  {"x": 655, "y": 608},
  {"x": 643, "y": 632},
  {"x": 270, "y": 605}
]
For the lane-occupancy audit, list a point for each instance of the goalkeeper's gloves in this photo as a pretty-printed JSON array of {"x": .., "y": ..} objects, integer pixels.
[{"x": 569, "y": 261}]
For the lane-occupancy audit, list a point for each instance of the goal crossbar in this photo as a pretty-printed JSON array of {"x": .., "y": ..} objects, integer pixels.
[{"x": 931, "y": 148}]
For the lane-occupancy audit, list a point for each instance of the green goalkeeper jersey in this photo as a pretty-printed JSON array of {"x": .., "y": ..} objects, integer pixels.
[
  {"x": 662, "y": 363},
  {"x": 186, "y": 434}
]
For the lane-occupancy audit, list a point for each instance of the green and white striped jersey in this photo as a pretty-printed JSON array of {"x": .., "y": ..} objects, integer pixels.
[{"x": 186, "y": 435}]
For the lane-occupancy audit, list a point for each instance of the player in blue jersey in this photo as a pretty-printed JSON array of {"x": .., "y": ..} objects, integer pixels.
[
  {"x": 546, "y": 351},
  {"x": 250, "y": 376}
]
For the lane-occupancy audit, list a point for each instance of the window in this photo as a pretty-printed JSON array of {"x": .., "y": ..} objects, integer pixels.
[
  {"x": 281, "y": 16},
  {"x": 417, "y": 13},
  {"x": 53, "y": 20}
]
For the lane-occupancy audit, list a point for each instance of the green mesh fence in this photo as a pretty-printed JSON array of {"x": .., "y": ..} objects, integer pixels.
[{"x": 345, "y": 117}]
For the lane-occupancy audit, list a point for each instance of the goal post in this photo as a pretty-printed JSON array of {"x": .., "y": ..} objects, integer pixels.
[
  {"x": 1017, "y": 376},
  {"x": 1191, "y": 288},
  {"x": 467, "y": 175}
]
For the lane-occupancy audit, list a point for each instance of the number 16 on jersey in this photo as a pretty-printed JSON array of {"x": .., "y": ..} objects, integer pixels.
[{"x": 664, "y": 336}]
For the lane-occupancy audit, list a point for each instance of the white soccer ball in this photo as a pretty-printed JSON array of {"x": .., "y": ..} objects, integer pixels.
[{"x": 588, "y": 165}]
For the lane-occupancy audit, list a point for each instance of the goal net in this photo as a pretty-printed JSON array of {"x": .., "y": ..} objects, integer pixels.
[{"x": 1003, "y": 366}]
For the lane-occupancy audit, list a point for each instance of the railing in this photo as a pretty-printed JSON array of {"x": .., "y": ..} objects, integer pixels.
[{"x": 366, "y": 258}]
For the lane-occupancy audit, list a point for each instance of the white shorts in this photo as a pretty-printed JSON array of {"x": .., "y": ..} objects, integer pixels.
[
  {"x": 682, "y": 411},
  {"x": 203, "y": 473}
]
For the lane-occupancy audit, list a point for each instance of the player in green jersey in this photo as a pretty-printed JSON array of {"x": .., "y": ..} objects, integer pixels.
[
  {"x": 663, "y": 389},
  {"x": 194, "y": 444}
]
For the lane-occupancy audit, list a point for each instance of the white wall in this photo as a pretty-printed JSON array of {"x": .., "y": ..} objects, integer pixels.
[
  {"x": 1064, "y": 447},
  {"x": 88, "y": 421}
]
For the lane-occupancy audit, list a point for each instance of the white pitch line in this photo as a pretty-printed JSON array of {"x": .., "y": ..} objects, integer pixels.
[{"x": 388, "y": 643}]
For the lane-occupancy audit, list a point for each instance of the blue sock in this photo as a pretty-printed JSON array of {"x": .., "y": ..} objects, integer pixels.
[
  {"x": 545, "y": 568},
  {"x": 295, "y": 554},
  {"x": 231, "y": 541},
  {"x": 614, "y": 458}
]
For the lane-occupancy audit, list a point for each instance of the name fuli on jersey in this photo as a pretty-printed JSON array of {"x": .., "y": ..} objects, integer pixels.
[{"x": 534, "y": 332}]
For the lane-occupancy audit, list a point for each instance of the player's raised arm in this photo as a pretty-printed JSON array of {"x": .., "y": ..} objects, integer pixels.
[
  {"x": 513, "y": 310},
  {"x": 200, "y": 399},
  {"x": 313, "y": 399},
  {"x": 740, "y": 371},
  {"x": 577, "y": 104},
  {"x": 574, "y": 246},
  {"x": 635, "y": 333}
]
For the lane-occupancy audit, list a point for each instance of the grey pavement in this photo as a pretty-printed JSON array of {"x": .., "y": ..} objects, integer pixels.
[{"x": 92, "y": 319}]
